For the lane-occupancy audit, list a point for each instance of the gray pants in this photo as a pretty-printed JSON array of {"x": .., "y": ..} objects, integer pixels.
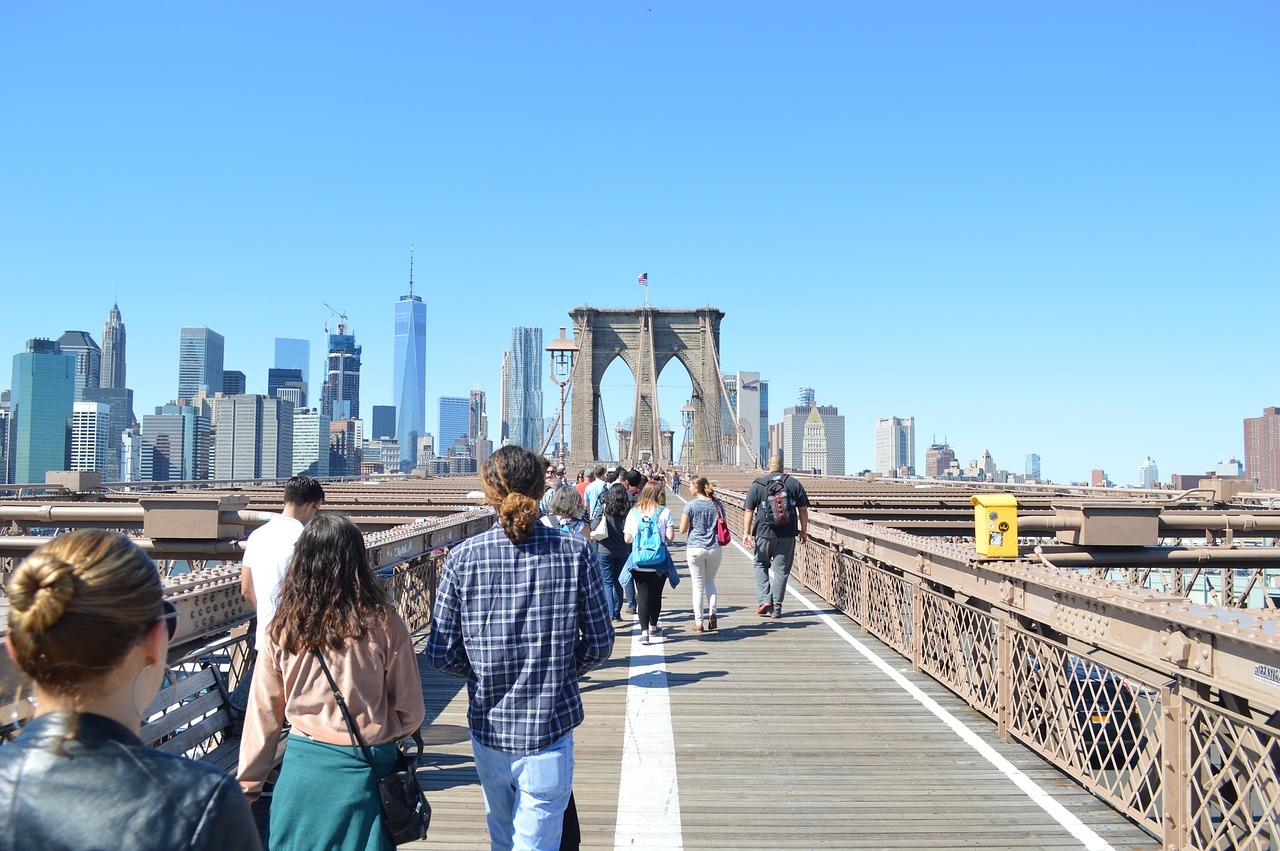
[{"x": 773, "y": 562}]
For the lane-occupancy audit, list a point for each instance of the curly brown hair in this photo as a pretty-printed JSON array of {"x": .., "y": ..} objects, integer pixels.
[
  {"x": 329, "y": 594},
  {"x": 513, "y": 480}
]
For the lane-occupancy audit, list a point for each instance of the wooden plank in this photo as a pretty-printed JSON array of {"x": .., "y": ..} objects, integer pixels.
[
  {"x": 197, "y": 733},
  {"x": 182, "y": 716}
]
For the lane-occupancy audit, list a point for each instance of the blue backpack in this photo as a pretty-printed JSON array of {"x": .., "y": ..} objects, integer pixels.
[{"x": 647, "y": 548}]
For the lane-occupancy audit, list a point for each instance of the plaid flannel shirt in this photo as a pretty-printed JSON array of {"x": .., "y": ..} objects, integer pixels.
[{"x": 521, "y": 622}]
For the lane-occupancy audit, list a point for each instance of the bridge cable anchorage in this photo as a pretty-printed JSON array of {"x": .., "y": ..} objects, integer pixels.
[{"x": 733, "y": 412}]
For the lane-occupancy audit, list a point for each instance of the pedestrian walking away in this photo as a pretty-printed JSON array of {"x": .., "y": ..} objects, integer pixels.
[
  {"x": 521, "y": 613},
  {"x": 702, "y": 550},
  {"x": 614, "y": 549},
  {"x": 775, "y": 515},
  {"x": 649, "y": 529}
]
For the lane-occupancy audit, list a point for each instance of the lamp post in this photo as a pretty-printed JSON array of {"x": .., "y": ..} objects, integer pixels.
[{"x": 562, "y": 351}]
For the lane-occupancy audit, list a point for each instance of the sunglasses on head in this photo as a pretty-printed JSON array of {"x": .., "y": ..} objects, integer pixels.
[{"x": 170, "y": 617}]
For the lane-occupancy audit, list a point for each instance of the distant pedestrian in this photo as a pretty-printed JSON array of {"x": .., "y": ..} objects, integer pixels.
[
  {"x": 771, "y": 533},
  {"x": 521, "y": 614},
  {"x": 564, "y": 512},
  {"x": 649, "y": 577},
  {"x": 595, "y": 489},
  {"x": 702, "y": 550}
]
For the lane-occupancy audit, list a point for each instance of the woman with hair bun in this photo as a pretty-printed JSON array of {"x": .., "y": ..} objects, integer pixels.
[
  {"x": 88, "y": 623},
  {"x": 521, "y": 613}
]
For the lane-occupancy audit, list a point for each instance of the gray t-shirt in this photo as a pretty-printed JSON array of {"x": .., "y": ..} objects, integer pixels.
[{"x": 702, "y": 523}]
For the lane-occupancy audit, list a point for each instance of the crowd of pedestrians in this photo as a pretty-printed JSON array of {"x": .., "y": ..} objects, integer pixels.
[{"x": 522, "y": 612}]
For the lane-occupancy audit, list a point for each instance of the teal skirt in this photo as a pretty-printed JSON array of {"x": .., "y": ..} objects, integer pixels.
[{"x": 326, "y": 797}]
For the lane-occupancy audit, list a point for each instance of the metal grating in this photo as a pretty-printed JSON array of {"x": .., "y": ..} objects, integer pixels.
[{"x": 1234, "y": 794}]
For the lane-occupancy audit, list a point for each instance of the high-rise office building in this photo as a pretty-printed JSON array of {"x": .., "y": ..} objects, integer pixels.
[
  {"x": 793, "y": 429},
  {"x": 287, "y": 378},
  {"x": 254, "y": 438},
  {"x": 814, "y": 447},
  {"x": 526, "y": 389},
  {"x": 310, "y": 443},
  {"x": 340, "y": 397},
  {"x": 1033, "y": 466},
  {"x": 938, "y": 459},
  {"x": 345, "y": 440},
  {"x": 44, "y": 382},
  {"x": 748, "y": 398},
  {"x": 384, "y": 422},
  {"x": 1148, "y": 474},
  {"x": 294, "y": 354},
  {"x": 793, "y": 420},
  {"x": 90, "y": 442},
  {"x": 477, "y": 424},
  {"x": 896, "y": 445},
  {"x": 234, "y": 382},
  {"x": 806, "y": 398},
  {"x": 174, "y": 441},
  {"x": 504, "y": 399},
  {"x": 120, "y": 420},
  {"x": 409, "y": 371},
  {"x": 1262, "y": 449},
  {"x": 199, "y": 361},
  {"x": 454, "y": 421},
  {"x": 113, "y": 337},
  {"x": 88, "y": 359},
  {"x": 5, "y": 436},
  {"x": 130, "y": 460}
]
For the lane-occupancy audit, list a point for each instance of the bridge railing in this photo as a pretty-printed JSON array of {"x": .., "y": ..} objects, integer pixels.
[{"x": 1165, "y": 710}]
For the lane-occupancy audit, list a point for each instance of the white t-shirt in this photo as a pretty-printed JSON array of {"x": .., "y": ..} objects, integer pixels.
[
  {"x": 633, "y": 525},
  {"x": 267, "y": 554}
]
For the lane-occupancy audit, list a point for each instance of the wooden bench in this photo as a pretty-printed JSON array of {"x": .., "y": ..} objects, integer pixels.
[{"x": 196, "y": 709}]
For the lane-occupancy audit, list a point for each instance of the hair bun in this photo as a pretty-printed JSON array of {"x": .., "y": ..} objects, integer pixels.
[{"x": 41, "y": 590}]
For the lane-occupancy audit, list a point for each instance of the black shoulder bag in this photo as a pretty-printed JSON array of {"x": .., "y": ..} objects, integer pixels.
[{"x": 406, "y": 815}]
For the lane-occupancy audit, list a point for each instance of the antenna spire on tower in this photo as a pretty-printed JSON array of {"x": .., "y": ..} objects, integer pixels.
[{"x": 411, "y": 268}]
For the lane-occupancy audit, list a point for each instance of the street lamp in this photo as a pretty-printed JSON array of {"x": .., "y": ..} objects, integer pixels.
[{"x": 562, "y": 352}]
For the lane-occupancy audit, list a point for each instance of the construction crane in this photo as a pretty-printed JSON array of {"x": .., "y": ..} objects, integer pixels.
[{"x": 342, "y": 324}]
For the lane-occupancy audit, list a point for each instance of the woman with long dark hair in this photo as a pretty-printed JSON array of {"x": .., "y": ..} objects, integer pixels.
[
  {"x": 88, "y": 623},
  {"x": 331, "y": 607},
  {"x": 614, "y": 548},
  {"x": 521, "y": 613}
]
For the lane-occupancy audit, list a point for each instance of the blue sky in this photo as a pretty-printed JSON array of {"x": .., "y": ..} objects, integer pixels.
[{"x": 1049, "y": 227}]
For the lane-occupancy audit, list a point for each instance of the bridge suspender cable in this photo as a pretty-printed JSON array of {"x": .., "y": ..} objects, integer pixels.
[{"x": 733, "y": 411}]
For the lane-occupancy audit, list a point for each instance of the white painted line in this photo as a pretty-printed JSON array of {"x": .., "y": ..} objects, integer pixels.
[
  {"x": 648, "y": 794},
  {"x": 1059, "y": 813}
]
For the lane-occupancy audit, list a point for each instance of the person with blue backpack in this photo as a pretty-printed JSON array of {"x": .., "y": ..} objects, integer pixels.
[{"x": 648, "y": 530}]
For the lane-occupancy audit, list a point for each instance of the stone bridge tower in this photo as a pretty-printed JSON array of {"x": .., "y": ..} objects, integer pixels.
[{"x": 647, "y": 338}]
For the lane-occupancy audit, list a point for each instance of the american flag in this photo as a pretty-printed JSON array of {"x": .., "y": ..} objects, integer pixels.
[{"x": 643, "y": 279}]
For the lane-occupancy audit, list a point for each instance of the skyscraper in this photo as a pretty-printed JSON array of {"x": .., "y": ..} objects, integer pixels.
[
  {"x": 255, "y": 438},
  {"x": 119, "y": 420},
  {"x": 199, "y": 361},
  {"x": 504, "y": 399},
  {"x": 175, "y": 443},
  {"x": 88, "y": 360},
  {"x": 90, "y": 445},
  {"x": 477, "y": 424},
  {"x": 794, "y": 421},
  {"x": 896, "y": 445},
  {"x": 1148, "y": 473},
  {"x": 44, "y": 382},
  {"x": 310, "y": 443},
  {"x": 287, "y": 378},
  {"x": 294, "y": 354},
  {"x": 1262, "y": 449},
  {"x": 526, "y": 388},
  {"x": 113, "y": 371},
  {"x": 806, "y": 397},
  {"x": 409, "y": 371},
  {"x": 384, "y": 422},
  {"x": 234, "y": 382},
  {"x": 1033, "y": 466},
  {"x": 340, "y": 397},
  {"x": 937, "y": 460},
  {"x": 454, "y": 420}
]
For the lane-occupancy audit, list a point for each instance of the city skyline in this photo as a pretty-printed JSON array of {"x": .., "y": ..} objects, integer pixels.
[{"x": 934, "y": 211}]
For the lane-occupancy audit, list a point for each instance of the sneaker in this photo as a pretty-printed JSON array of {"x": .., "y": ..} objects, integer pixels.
[
  {"x": 644, "y": 638},
  {"x": 776, "y": 616},
  {"x": 631, "y": 610},
  {"x": 764, "y": 609},
  {"x": 655, "y": 630}
]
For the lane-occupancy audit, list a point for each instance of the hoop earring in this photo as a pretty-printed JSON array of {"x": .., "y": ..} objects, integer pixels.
[{"x": 133, "y": 692}]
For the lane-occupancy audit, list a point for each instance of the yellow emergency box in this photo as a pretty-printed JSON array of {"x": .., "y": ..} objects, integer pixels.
[{"x": 995, "y": 517}]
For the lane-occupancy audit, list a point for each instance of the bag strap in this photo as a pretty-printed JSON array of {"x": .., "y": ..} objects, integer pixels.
[
  {"x": 346, "y": 714},
  {"x": 719, "y": 508}
]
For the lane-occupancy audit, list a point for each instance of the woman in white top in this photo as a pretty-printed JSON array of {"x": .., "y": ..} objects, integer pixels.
[
  {"x": 702, "y": 550},
  {"x": 649, "y": 578}
]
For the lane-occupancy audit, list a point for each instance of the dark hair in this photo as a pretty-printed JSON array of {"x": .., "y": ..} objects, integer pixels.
[
  {"x": 302, "y": 490},
  {"x": 617, "y": 500},
  {"x": 598, "y": 472},
  {"x": 635, "y": 478},
  {"x": 513, "y": 480},
  {"x": 611, "y": 476},
  {"x": 329, "y": 594},
  {"x": 77, "y": 605}
]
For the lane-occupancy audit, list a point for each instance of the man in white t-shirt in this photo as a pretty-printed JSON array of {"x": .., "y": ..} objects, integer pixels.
[{"x": 270, "y": 547}]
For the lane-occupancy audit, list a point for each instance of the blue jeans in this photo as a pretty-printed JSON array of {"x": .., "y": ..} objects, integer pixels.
[
  {"x": 773, "y": 558},
  {"x": 525, "y": 795},
  {"x": 610, "y": 570}
]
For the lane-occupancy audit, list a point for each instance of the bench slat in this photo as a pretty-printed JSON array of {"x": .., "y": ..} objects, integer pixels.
[
  {"x": 182, "y": 689},
  {"x": 181, "y": 716},
  {"x": 194, "y": 735}
]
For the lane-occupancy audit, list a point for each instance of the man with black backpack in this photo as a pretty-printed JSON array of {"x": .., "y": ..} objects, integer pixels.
[{"x": 775, "y": 513}]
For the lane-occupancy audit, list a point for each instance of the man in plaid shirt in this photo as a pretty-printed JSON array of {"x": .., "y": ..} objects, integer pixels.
[{"x": 521, "y": 613}]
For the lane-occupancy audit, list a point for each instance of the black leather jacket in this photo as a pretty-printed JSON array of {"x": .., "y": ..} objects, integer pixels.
[{"x": 85, "y": 782}]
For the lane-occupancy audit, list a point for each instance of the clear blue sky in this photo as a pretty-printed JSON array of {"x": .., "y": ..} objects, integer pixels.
[{"x": 1036, "y": 227}]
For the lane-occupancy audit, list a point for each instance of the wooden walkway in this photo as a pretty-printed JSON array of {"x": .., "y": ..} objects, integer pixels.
[
  {"x": 785, "y": 736},
  {"x": 781, "y": 735}
]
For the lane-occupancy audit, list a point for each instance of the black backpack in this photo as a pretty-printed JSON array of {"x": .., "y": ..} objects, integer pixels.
[{"x": 778, "y": 508}]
